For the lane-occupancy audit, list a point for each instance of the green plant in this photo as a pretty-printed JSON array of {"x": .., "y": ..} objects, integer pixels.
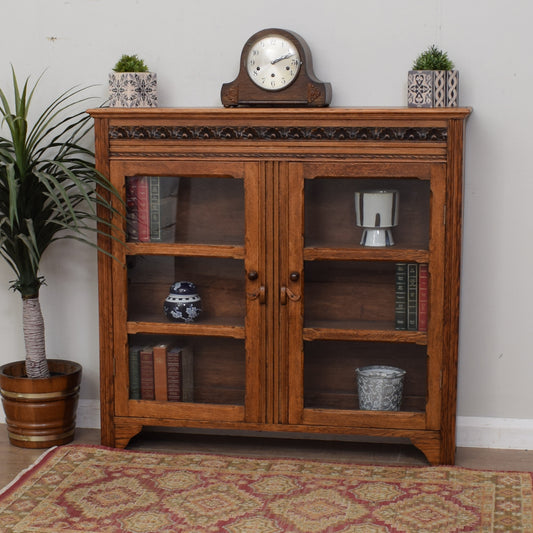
[
  {"x": 130, "y": 63},
  {"x": 47, "y": 192},
  {"x": 433, "y": 59}
]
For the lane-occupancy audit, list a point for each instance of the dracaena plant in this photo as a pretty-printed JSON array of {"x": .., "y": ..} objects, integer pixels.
[{"x": 48, "y": 192}]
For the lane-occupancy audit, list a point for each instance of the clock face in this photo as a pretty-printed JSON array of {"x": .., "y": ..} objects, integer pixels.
[{"x": 273, "y": 62}]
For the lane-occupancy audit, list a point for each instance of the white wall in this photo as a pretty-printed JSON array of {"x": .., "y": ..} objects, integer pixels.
[{"x": 364, "y": 49}]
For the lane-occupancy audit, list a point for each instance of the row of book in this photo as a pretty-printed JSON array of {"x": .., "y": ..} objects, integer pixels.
[
  {"x": 411, "y": 305},
  {"x": 151, "y": 207},
  {"x": 162, "y": 372}
]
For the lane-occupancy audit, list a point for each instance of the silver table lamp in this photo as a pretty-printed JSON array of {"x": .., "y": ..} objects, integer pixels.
[{"x": 376, "y": 212}]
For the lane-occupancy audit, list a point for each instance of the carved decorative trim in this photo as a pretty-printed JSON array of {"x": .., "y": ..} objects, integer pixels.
[
  {"x": 291, "y": 156},
  {"x": 268, "y": 133}
]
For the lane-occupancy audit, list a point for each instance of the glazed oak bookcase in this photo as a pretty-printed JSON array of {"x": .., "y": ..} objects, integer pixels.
[{"x": 256, "y": 208}]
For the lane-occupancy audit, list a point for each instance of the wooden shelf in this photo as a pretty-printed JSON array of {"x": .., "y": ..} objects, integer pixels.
[
  {"x": 359, "y": 253},
  {"x": 363, "y": 334},
  {"x": 187, "y": 250},
  {"x": 158, "y": 328}
]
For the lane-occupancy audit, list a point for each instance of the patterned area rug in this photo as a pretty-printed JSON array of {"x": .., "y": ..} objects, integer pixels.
[{"x": 95, "y": 489}]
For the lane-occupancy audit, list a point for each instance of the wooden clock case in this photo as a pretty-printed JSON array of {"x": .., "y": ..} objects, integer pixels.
[{"x": 305, "y": 90}]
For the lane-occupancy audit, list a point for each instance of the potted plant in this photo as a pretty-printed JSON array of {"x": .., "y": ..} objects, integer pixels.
[
  {"x": 131, "y": 84},
  {"x": 47, "y": 193},
  {"x": 433, "y": 82}
]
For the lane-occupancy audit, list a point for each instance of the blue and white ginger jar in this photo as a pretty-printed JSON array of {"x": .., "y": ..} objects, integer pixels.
[{"x": 183, "y": 304}]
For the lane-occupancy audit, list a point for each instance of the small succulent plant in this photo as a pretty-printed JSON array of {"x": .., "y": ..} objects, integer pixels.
[
  {"x": 130, "y": 63},
  {"x": 433, "y": 59}
]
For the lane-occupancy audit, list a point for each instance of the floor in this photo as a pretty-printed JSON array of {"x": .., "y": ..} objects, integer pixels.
[{"x": 13, "y": 459}]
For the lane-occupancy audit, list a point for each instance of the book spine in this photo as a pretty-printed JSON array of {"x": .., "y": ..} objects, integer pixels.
[
  {"x": 187, "y": 374},
  {"x": 160, "y": 372},
  {"x": 174, "y": 373},
  {"x": 143, "y": 209},
  {"x": 423, "y": 277},
  {"x": 155, "y": 208},
  {"x": 412, "y": 296},
  {"x": 400, "y": 310},
  {"x": 146, "y": 357},
  {"x": 135, "y": 372},
  {"x": 132, "y": 212},
  {"x": 168, "y": 207}
]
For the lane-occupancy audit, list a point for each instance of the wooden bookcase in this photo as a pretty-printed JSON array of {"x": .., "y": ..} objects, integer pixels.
[{"x": 262, "y": 221}]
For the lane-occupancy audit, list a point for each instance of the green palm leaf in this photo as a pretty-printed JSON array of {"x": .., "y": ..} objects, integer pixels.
[{"x": 49, "y": 187}]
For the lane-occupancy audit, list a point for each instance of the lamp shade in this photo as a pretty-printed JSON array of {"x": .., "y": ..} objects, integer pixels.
[{"x": 376, "y": 211}]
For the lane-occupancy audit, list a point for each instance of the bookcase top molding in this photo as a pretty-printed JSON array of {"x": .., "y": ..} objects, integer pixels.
[{"x": 301, "y": 114}]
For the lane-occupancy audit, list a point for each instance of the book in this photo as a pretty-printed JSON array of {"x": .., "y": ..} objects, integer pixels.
[
  {"x": 135, "y": 372},
  {"x": 154, "y": 194},
  {"x": 160, "y": 372},
  {"x": 180, "y": 372},
  {"x": 168, "y": 208},
  {"x": 423, "y": 277},
  {"x": 174, "y": 364},
  {"x": 146, "y": 366},
  {"x": 412, "y": 296},
  {"x": 132, "y": 222},
  {"x": 143, "y": 209},
  {"x": 400, "y": 310},
  {"x": 187, "y": 374},
  {"x": 151, "y": 204}
]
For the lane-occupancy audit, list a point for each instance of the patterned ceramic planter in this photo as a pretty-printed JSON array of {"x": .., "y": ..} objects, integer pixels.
[
  {"x": 433, "y": 88},
  {"x": 133, "y": 89}
]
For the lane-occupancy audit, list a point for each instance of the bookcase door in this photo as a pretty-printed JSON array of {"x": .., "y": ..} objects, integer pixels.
[
  {"x": 188, "y": 290},
  {"x": 350, "y": 310}
]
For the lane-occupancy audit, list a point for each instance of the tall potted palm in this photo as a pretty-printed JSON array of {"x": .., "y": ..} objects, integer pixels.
[{"x": 47, "y": 192}]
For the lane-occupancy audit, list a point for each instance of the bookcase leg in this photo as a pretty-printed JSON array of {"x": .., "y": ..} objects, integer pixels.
[
  {"x": 430, "y": 445},
  {"x": 125, "y": 432}
]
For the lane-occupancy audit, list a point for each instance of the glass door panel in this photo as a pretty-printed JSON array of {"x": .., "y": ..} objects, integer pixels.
[
  {"x": 199, "y": 210},
  {"x": 330, "y": 379},
  {"x": 187, "y": 369},
  {"x": 348, "y": 294},
  {"x": 330, "y": 219},
  {"x": 220, "y": 284},
  {"x": 365, "y": 295}
]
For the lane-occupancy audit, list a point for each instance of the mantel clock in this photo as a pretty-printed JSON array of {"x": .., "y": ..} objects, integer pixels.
[{"x": 276, "y": 70}]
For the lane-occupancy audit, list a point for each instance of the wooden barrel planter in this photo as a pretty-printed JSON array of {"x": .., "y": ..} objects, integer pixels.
[{"x": 40, "y": 412}]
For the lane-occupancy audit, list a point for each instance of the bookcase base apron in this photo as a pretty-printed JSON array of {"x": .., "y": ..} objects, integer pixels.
[{"x": 428, "y": 442}]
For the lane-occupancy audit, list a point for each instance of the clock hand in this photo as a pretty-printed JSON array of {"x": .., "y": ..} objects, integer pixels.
[{"x": 286, "y": 56}]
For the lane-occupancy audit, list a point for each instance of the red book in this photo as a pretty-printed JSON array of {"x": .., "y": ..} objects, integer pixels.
[
  {"x": 143, "y": 209},
  {"x": 423, "y": 297},
  {"x": 146, "y": 358}
]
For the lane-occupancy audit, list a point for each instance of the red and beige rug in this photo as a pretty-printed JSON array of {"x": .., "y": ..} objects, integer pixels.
[{"x": 94, "y": 489}]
